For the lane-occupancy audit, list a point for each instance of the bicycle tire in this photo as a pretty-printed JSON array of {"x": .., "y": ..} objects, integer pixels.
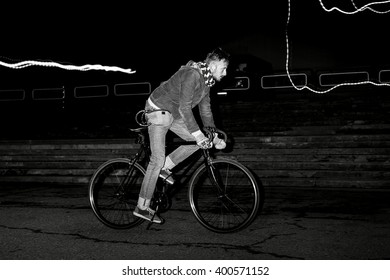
[
  {"x": 228, "y": 211},
  {"x": 113, "y": 192}
]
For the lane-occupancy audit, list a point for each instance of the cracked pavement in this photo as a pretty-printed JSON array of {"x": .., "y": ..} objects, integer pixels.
[{"x": 56, "y": 223}]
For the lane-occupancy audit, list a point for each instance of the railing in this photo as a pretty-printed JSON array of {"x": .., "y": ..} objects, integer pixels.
[
  {"x": 282, "y": 81},
  {"x": 48, "y": 94},
  {"x": 332, "y": 79},
  {"x": 128, "y": 89},
  {"x": 12, "y": 95},
  {"x": 239, "y": 83},
  {"x": 91, "y": 91}
]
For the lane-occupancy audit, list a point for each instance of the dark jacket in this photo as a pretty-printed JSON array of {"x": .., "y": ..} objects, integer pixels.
[{"x": 182, "y": 92}]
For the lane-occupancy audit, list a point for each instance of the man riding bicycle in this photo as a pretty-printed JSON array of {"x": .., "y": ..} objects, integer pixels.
[{"x": 169, "y": 107}]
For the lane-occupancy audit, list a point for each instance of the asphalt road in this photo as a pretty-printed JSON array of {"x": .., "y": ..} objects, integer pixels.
[{"x": 56, "y": 223}]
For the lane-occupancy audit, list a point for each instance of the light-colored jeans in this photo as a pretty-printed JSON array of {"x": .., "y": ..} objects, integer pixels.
[{"x": 158, "y": 128}]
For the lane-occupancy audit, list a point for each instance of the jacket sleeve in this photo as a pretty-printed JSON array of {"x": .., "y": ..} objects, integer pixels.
[
  {"x": 189, "y": 83},
  {"x": 206, "y": 112}
]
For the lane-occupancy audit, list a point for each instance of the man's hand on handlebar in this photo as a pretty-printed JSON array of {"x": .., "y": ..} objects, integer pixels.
[
  {"x": 213, "y": 136},
  {"x": 202, "y": 141},
  {"x": 219, "y": 144}
]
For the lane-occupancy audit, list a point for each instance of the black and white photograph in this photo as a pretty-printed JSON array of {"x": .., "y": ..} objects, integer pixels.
[{"x": 229, "y": 137}]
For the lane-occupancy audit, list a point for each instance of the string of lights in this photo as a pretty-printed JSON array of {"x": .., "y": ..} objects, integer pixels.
[
  {"x": 371, "y": 9},
  {"x": 367, "y": 6},
  {"x": 357, "y": 10},
  {"x": 87, "y": 67}
]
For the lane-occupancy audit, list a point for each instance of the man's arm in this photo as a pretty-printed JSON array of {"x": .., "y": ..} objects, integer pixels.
[
  {"x": 189, "y": 84},
  {"x": 205, "y": 111}
]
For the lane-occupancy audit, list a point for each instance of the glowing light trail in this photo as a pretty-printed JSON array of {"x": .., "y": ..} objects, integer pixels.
[
  {"x": 357, "y": 10},
  {"x": 329, "y": 10},
  {"x": 371, "y": 9},
  {"x": 87, "y": 67}
]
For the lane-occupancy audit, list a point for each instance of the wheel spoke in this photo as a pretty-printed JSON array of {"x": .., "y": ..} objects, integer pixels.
[
  {"x": 231, "y": 208},
  {"x": 114, "y": 191}
]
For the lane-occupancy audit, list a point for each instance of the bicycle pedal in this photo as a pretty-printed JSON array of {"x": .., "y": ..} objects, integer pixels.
[{"x": 152, "y": 223}]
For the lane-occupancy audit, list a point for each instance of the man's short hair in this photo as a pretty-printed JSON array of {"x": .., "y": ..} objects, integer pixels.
[{"x": 217, "y": 55}]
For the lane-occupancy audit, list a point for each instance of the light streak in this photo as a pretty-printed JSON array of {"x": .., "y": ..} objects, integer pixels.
[
  {"x": 87, "y": 67},
  {"x": 367, "y": 6},
  {"x": 371, "y": 9},
  {"x": 357, "y": 10}
]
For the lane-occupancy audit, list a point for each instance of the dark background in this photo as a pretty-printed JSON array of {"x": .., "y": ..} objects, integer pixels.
[
  {"x": 156, "y": 39},
  {"x": 307, "y": 149},
  {"x": 153, "y": 37}
]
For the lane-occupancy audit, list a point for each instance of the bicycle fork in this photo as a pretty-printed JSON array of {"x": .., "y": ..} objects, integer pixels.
[
  {"x": 215, "y": 177},
  {"x": 217, "y": 181}
]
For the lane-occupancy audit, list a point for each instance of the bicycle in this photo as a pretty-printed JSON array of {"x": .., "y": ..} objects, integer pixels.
[{"x": 224, "y": 195}]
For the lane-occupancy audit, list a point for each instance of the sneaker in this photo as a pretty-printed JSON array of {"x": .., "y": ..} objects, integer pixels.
[
  {"x": 147, "y": 214},
  {"x": 167, "y": 176}
]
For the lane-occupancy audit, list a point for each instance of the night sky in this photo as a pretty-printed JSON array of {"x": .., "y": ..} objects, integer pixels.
[{"x": 153, "y": 37}]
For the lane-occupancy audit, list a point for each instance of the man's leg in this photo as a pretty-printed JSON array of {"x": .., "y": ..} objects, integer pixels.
[
  {"x": 157, "y": 135},
  {"x": 184, "y": 151}
]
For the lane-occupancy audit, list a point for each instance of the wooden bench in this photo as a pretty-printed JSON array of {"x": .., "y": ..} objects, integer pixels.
[
  {"x": 339, "y": 140},
  {"x": 57, "y": 161},
  {"x": 329, "y": 161}
]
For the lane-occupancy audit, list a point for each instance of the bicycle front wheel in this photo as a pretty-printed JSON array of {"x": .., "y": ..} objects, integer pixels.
[
  {"x": 113, "y": 192},
  {"x": 226, "y": 198}
]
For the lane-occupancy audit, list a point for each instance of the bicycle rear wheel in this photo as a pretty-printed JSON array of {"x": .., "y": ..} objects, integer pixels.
[
  {"x": 229, "y": 202},
  {"x": 113, "y": 192}
]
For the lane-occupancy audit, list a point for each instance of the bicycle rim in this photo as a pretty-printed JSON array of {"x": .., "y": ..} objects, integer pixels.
[
  {"x": 113, "y": 193},
  {"x": 229, "y": 208}
]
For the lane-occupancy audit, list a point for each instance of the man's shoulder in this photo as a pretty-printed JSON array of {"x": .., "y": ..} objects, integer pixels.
[{"x": 189, "y": 71}]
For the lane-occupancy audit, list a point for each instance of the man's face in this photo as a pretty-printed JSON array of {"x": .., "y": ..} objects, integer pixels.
[{"x": 218, "y": 69}]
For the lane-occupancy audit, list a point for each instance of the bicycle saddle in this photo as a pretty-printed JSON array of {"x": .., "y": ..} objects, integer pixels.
[{"x": 138, "y": 129}]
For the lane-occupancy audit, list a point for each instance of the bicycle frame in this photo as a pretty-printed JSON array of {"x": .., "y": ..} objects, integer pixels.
[
  {"x": 144, "y": 153},
  {"x": 112, "y": 193},
  {"x": 208, "y": 161}
]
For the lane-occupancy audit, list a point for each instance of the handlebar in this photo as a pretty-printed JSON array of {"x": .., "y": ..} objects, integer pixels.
[{"x": 209, "y": 133}]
